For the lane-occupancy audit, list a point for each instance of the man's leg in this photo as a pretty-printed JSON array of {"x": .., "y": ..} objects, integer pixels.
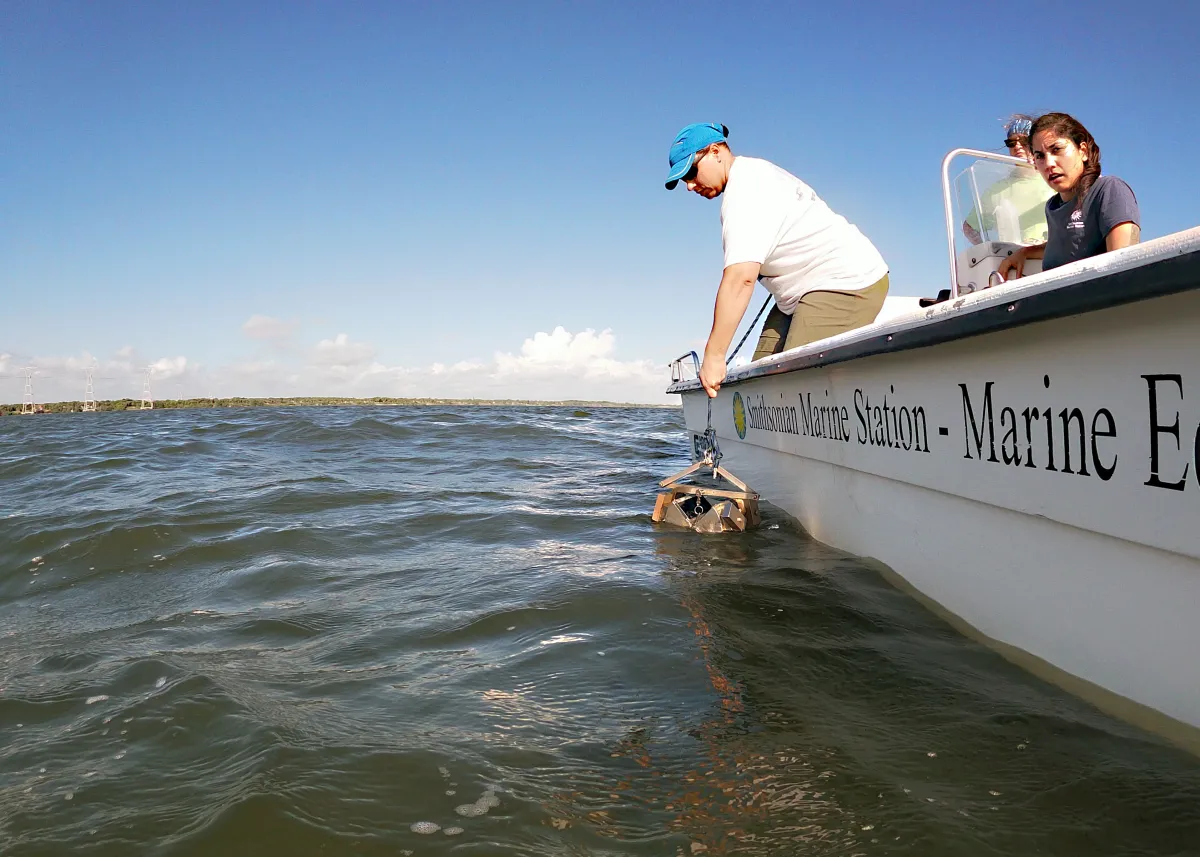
[
  {"x": 823, "y": 314},
  {"x": 774, "y": 333}
]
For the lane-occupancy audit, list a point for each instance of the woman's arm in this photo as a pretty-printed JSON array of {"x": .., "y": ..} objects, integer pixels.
[
  {"x": 733, "y": 296},
  {"x": 1122, "y": 235},
  {"x": 1016, "y": 262}
]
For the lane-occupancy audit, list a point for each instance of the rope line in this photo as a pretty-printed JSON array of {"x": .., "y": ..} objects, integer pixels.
[{"x": 729, "y": 359}]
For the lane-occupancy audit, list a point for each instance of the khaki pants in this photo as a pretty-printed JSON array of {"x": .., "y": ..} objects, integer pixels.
[{"x": 820, "y": 315}]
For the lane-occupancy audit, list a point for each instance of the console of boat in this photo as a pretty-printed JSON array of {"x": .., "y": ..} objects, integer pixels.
[{"x": 1023, "y": 454}]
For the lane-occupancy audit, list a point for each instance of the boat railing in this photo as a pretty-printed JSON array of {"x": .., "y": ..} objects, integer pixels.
[
  {"x": 678, "y": 370},
  {"x": 948, "y": 200}
]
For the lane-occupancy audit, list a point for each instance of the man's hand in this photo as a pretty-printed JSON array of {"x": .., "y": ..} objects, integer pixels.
[{"x": 712, "y": 373}]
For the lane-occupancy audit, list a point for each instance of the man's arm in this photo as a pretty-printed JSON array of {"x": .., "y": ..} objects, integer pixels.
[
  {"x": 733, "y": 296},
  {"x": 1122, "y": 235}
]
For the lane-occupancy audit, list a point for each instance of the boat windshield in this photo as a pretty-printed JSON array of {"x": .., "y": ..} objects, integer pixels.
[
  {"x": 1000, "y": 202},
  {"x": 994, "y": 204}
]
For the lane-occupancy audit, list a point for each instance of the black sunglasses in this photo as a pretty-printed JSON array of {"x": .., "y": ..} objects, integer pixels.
[
  {"x": 1013, "y": 142},
  {"x": 690, "y": 175}
]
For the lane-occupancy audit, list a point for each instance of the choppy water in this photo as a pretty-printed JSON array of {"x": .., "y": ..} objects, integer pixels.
[{"x": 431, "y": 631}]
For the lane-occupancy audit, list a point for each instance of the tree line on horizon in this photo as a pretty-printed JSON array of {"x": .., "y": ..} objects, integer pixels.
[{"x": 295, "y": 401}]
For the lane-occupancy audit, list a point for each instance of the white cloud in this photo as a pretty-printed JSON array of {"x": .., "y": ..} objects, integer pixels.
[
  {"x": 341, "y": 353},
  {"x": 578, "y": 366},
  {"x": 256, "y": 369},
  {"x": 267, "y": 327},
  {"x": 166, "y": 368},
  {"x": 458, "y": 368},
  {"x": 559, "y": 349},
  {"x": 549, "y": 366},
  {"x": 258, "y": 378},
  {"x": 64, "y": 378},
  {"x": 55, "y": 365}
]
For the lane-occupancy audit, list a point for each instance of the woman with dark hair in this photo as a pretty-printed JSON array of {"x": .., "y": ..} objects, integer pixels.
[{"x": 1091, "y": 213}]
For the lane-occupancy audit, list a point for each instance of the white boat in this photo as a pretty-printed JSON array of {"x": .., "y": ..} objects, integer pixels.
[{"x": 1026, "y": 456}]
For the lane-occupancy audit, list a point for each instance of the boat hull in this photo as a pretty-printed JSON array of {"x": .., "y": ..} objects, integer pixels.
[{"x": 1040, "y": 482}]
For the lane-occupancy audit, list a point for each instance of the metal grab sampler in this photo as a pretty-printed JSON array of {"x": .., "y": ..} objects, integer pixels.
[{"x": 703, "y": 508}]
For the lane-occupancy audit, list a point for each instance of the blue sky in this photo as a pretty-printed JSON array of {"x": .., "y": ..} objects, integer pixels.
[{"x": 466, "y": 198}]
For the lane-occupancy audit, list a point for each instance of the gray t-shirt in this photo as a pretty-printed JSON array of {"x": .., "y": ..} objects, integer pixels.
[{"x": 1080, "y": 233}]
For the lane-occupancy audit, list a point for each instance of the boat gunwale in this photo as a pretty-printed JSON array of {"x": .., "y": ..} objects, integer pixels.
[{"x": 1165, "y": 266}]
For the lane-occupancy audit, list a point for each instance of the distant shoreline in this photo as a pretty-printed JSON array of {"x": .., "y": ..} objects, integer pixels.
[{"x": 313, "y": 402}]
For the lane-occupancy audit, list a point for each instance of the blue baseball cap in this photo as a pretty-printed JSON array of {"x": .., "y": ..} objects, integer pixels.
[{"x": 687, "y": 143}]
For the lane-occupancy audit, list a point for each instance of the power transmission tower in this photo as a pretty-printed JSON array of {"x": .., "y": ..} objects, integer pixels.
[
  {"x": 89, "y": 393},
  {"x": 147, "y": 397},
  {"x": 27, "y": 402}
]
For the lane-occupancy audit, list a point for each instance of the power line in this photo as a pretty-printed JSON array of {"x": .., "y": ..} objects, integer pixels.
[
  {"x": 89, "y": 392},
  {"x": 27, "y": 401},
  {"x": 147, "y": 396}
]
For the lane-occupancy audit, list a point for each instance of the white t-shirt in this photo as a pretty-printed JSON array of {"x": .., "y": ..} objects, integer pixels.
[{"x": 771, "y": 217}]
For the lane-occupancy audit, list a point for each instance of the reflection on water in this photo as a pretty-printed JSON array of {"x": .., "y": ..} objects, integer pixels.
[
  {"x": 851, "y": 720},
  {"x": 433, "y": 631}
]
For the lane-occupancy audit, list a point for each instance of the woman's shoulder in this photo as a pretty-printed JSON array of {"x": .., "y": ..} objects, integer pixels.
[
  {"x": 1112, "y": 201},
  {"x": 1112, "y": 185}
]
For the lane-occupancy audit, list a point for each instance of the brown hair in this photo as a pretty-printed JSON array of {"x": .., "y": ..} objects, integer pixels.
[{"x": 1065, "y": 125}]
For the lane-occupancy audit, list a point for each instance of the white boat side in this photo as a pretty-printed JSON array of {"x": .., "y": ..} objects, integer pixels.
[{"x": 1028, "y": 457}]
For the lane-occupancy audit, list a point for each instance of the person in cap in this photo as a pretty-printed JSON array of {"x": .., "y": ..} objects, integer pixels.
[
  {"x": 1023, "y": 189},
  {"x": 825, "y": 275}
]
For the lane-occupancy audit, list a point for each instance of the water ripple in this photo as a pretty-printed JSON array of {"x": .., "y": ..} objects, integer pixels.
[{"x": 435, "y": 630}]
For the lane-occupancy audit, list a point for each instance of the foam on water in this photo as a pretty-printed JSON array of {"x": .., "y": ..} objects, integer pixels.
[{"x": 486, "y": 801}]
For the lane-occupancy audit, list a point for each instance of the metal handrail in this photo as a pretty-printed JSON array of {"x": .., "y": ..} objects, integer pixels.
[
  {"x": 677, "y": 365},
  {"x": 947, "y": 200}
]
